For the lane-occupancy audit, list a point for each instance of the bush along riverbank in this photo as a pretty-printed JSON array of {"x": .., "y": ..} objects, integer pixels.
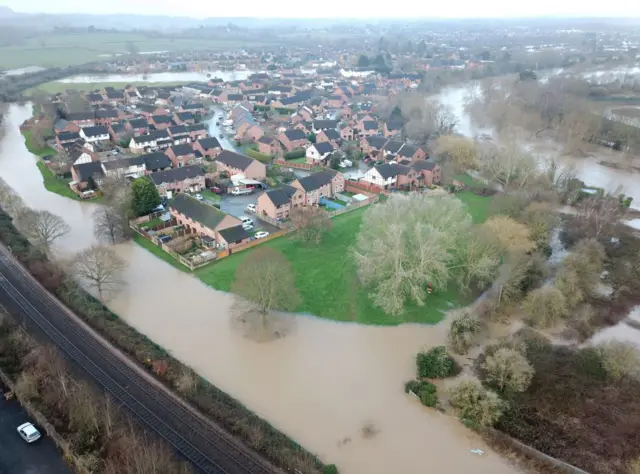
[
  {"x": 93, "y": 434},
  {"x": 213, "y": 402}
]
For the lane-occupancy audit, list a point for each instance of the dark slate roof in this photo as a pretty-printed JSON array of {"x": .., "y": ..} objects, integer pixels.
[
  {"x": 236, "y": 97},
  {"x": 376, "y": 142},
  {"x": 85, "y": 170},
  {"x": 394, "y": 125},
  {"x": 113, "y": 94},
  {"x": 200, "y": 212},
  {"x": 95, "y": 97},
  {"x": 266, "y": 140},
  {"x": 281, "y": 196},
  {"x": 139, "y": 123},
  {"x": 181, "y": 150},
  {"x": 107, "y": 113},
  {"x": 193, "y": 106},
  {"x": 316, "y": 180},
  {"x": 184, "y": 116},
  {"x": 95, "y": 131},
  {"x": 323, "y": 147},
  {"x": 295, "y": 134},
  {"x": 235, "y": 160},
  {"x": 386, "y": 170},
  {"x": 408, "y": 150},
  {"x": 161, "y": 118},
  {"x": 234, "y": 234},
  {"x": 209, "y": 143},
  {"x": 400, "y": 169},
  {"x": 423, "y": 165},
  {"x": 64, "y": 136},
  {"x": 393, "y": 146},
  {"x": 325, "y": 124},
  {"x": 178, "y": 129},
  {"x": 123, "y": 162},
  {"x": 117, "y": 128},
  {"x": 332, "y": 134},
  {"x": 156, "y": 161},
  {"x": 161, "y": 134},
  {"x": 176, "y": 174},
  {"x": 80, "y": 116},
  {"x": 289, "y": 100},
  {"x": 196, "y": 126},
  {"x": 370, "y": 125}
]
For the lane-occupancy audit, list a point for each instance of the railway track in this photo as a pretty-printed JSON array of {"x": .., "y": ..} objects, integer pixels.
[{"x": 206, "y": 446}]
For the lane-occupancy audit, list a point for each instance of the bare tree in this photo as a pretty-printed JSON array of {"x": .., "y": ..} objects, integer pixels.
[
  {"x": 42, "y": 226},
  {"x": 265, "y": 279},
  {"x": 460, "y": 151},
  {"x": 598, "y": 214},
  {"x": 310, "y": 222},
  {"x": 508, "y": 165},
  {"x": 100, "y": 267},
  {"x": 110, "y": 224}
]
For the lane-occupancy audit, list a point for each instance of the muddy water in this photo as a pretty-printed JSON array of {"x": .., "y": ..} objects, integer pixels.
[
  {"x": 203, "y": 76},
  {"x": 319, "y": 385}
]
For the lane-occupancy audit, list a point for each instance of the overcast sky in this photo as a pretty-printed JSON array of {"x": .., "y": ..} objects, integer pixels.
[{"x": 333, "y": 8}]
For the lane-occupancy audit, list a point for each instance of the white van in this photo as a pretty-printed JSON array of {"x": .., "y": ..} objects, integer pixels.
[{"x": 239, "y": 191}]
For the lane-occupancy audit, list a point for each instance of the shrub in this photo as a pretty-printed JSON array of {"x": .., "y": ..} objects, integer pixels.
[
  {"x": 474, "y": 403},
  {"x": 463, "y": 332},
  {"x": 293, "y": 154},
  {"x": 435, "y": 363},
  {"x": 264, "y": 158},
  {"x": 620, "y": 359},
  {"x": 330, "y": 469},
  {"x": 425, "y": 391},
  {"x": 545, "y": 306},
  {"x": 509, "y": 370}
]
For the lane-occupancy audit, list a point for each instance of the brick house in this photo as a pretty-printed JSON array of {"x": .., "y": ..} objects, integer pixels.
[
  {"x": 181, "y": 155},
  {"x": 67, "y": 137},
  {"x": 329, "y": 136},
  {"x": 269, "y": 146},
  {"x": 277, "y": 203},
  {"x": 292, "y": 139},
  {"x": 154, "y": 162},
  {"x": 178, "y": 180},
  {"x": 161, "y": 122},
  {"x": 347, "y": 133},
  {"x": 235, "y": 163},
  {"x": 197, "y": 131},
  {"x": 208, "y": 147},
  {"x": 106, "y": 116},
  {"x": 392, "y": 128},
  {"x": 412, "y": 153},
  {"x": 372, "y": 145},
  {"x": 369, "y": 128},
  {"x": 138, "y": 126},
  {"x": 82, "y": 119},
  {"x": 318, "y": 153},
  {"x": 204, "y": 220},
  {"x": 83, "y": 173},
  {"x": 430, "y": 171},
  {"x": 318, "y": 185},
  {"x": 179, "y": 134},
  {"x": 184, "y": 118}
]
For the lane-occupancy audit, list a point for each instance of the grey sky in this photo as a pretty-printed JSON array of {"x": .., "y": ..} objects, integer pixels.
[{"x": 334, "y": 8}]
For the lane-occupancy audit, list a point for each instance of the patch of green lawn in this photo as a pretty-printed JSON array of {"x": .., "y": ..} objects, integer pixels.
[
  {"x": 34, "y": 148},
  {"x": 158, "y": 252},
  {"x": 210, "y": 196},
  {"x": 478, "y": 206},
  {"x": 302, "y": 159},
  {"x": 54, "y": 184}
]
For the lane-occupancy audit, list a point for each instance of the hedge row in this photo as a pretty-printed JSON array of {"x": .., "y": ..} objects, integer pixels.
[
  {"x": 263, "y": 157},
  {"x": 221, "y": 408},
  {"x": 299, "y": 153}
]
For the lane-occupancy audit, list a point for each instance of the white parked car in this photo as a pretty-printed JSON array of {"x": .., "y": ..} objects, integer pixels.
[
  {"x": 199, "y": 197},
  {"x": 261, "y": 235},
  {"x": 251, "y": 207},
  {"x": 246, "y": 220},
  {"x": 28, "y": 432},
  {"x": 247, "y": 226},
  {"x": 346, "y": 164}
]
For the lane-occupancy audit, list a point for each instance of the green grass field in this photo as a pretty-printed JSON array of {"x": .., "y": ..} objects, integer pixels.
[
  {"x": 61, "y": 50},
  {"x": 34, "y": 147},
  {"x": 55, "y": 87},
  {"x": 54, "y": 184}
]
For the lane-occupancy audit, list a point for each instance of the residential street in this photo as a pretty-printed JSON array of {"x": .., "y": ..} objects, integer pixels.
[
  {"x": 237, "y": 206},
  {"x": 19, "y": 457}
]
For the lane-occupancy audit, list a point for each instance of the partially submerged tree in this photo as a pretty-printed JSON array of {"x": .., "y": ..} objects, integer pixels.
[
  {"x": 145, "y": 197},
  {"x": 100, "y": 267},
  {"x": 580, "y": 271},
  {"x": 463, "y": 332},
  {"x": 472, "y": 402},
  {"x": 598, "y": 214},
  {"x": 410, "y": 243},
  {"x": 508, "y": 370},
  {"x": 545, "y": 306},
  {"x": 512, "y": 236},
  {"x": 265, "y": 279},
  {"x": 310, "y": 223},
  {"x": 110, "y": 224},
  {"x": 620, "y": 359},
  {"x": 508, "y": 165},
  {"x": 43, "y": 227}
]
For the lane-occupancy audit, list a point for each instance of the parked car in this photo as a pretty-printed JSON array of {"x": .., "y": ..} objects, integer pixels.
[
  {"x": 346, "y": 164},
  {"x": 215, "y": 189},
  {"x": 28, "y": 432},
  {"x": 261, "y": 235},
  {"x": 240, "y": 191},
  {"x": 246, "y": 220},
  {"x": 221, "y": 135},
  {"x": 247, "y": 226},
  {"x": 251, "y": 207},
  {"x": 198, "y": 196},
  {"x": 158, "y": 208}
]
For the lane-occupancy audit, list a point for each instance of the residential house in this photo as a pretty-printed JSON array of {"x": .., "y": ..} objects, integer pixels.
[
  {"x": 162, "y": 137},
  {"x": 95, "y": 99},
  {"x": 235, "y": 163},
  {"x": 149, "y": 110},
  {"x": 208, "y": 147},
  {"x": 179, "y": 134},
  {"x": 82, "y": 174},
  {"x": 204, "y": 220},
  {"x": 233, "y": 99},
  {"x": 304, "y": 113},
  {"x": 385, "y": 176},
  {"x": 292, "y": 139},
  {"x": 179, "y": 180},
  {"x": 407, "y": 177},
  {"x": 161, "y": 122},
  {"x": 133, "y": 167},
  {"x": 195, "y": 108},
  {"x": 184, "y": 118},
  {"x": 430, "y": 171},
  {"x": 142, "y": 143},
  {"x": 392, "y": 128},
  {"x": 347, "y": 133},
  {"x": 157, "y": 161},
  {"x": 320, "y": 125},
  {"x": 138, "y": 126},
  {"x": 318, "y": 153},
  {"x": 269, "y": 146},
  {"x": 277, "y": 203},
  {"x": 412, "y": 153},
  {"x": 331, "y": 136},
  {"x": 250, "y": 132},
  {"x": 369, "y": 128},
  {"x": 67, "y": 137},
  {"x": 106, "y": 116},
  {"x": 197, "y": 131},
  {"x": 82, "y": 119},
  {"x": 390, "y": 150},
  {"x": 95, "y": 134},
  {"x": 181, "y": 155},
  {"x": 336, "y": 101},
  {"x": 118, "y": 132},
  {"x": 232, "y": 237},
  {"x": 318, "y": 185},
  {"x": 372, "y": 146}
]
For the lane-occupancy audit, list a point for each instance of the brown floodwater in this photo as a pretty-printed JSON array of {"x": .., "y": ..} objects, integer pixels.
[{"x": 320, "y": 384}]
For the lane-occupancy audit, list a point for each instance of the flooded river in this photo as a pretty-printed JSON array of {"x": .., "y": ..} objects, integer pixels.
[
  {"x": 190, "y": 76},
  {"x": 321, "y": 384}
]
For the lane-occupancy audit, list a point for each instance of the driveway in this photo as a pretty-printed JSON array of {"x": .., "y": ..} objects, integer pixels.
[
  {"x": 237, "y": 206},
  {"x": 16, "y": 456}
]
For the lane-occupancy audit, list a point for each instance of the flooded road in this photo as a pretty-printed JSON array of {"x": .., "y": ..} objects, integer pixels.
[{"x": 320, "y": 384}]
